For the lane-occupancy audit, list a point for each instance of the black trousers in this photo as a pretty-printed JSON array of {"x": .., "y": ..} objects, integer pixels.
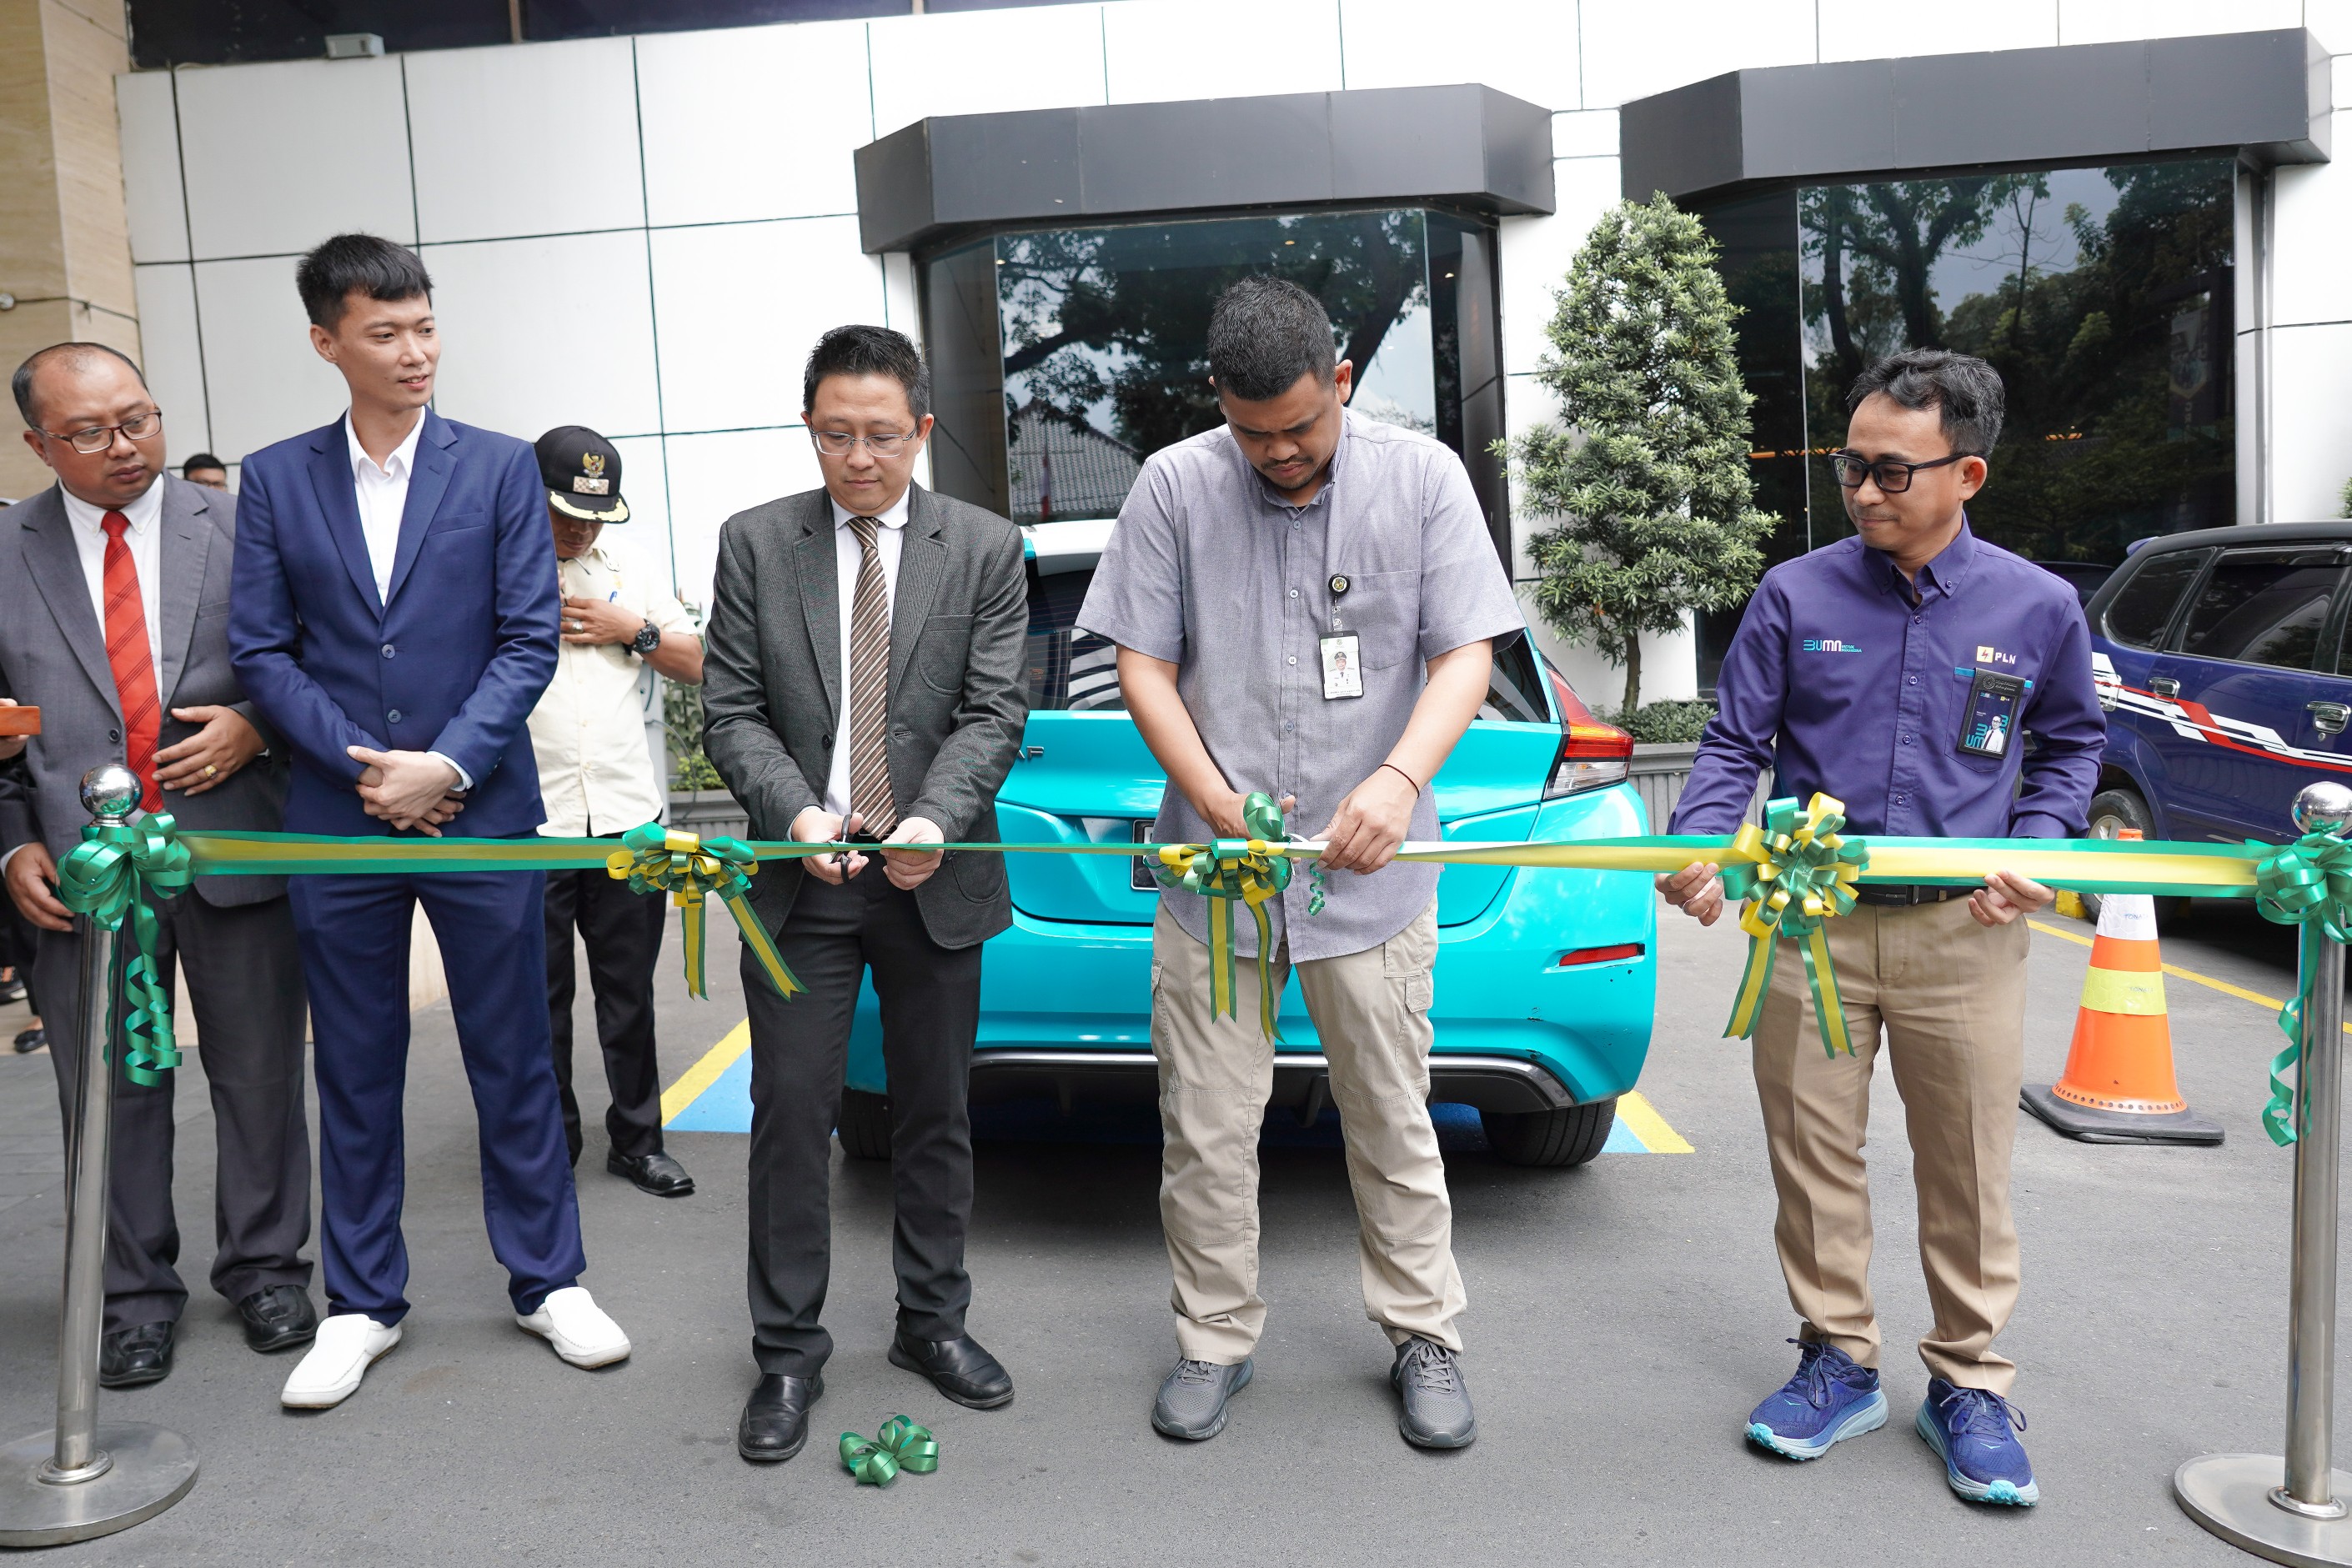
[
  {"x": 245, "y": 980},
  {"x": 622, "y": 931},
  {"x": 930, "y": 996}
]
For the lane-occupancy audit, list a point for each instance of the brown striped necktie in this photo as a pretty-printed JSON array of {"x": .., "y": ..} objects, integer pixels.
[{"x": 869, "y": 688}]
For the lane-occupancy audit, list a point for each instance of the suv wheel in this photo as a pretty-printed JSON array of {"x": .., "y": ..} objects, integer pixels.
[
  {"x": 865, "y": 1129},
  {"x": 1550, "y": 1138},
  {"x": 2113, "y": 811}
]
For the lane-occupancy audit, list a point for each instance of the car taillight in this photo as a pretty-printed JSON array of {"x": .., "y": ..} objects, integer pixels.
[
  {"x": 1591, "y": 754},
  {"x": 1622, "y": 951}
]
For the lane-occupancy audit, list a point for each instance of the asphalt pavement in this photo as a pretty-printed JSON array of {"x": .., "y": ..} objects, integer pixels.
[{"x": 1623, "y": 1318}]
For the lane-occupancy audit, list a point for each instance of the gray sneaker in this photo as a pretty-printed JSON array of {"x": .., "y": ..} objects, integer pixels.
[
  {"x": 1191, "y": 1403},
  {"x": 1437, "y": 1415}
]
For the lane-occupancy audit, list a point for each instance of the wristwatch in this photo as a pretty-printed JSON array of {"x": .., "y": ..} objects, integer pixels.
[{"x": 648, "y": 638}]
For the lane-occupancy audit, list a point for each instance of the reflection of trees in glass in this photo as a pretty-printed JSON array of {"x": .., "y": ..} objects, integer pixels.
[
  {"x": 2116, "y": 365},
  {"x": 1118, "y": 319}
]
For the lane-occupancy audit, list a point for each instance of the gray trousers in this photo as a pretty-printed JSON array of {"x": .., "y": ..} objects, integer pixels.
[{"x": 245, "y": 979}]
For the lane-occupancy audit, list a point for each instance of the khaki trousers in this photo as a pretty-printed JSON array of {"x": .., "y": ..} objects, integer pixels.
[
  {"x": 1950, "y": 996},
  {"x": 1371, "y": 1009}
]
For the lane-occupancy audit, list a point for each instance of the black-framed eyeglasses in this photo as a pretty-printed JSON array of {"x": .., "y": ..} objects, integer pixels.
[
  {"x": 841, "y": 442},
  {"x": 98, "y": 438},
  {"x": 1892, "y": 477}
]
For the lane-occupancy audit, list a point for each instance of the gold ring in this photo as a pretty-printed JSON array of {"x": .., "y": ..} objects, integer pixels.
[{"x": 210, "y": 769}]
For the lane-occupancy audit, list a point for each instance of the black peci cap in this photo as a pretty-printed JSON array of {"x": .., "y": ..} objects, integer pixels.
[{"x": 582, "y": 472}]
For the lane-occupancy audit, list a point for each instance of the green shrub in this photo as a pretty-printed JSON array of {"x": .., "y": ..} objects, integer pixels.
[
  {"x": 682, "y": 725},
  {"x": 1665, "y": 723}
]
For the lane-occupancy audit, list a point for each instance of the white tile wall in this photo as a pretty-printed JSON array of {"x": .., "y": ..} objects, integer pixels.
[
  {"x": 168, "y": 358},
  {"x": 540, "y": 138},
  {"x": 902, "y": 308},
  {"x": 713, "y": 477},
  {"x": 740, "y": 305},
  {"x": 279, "y": 156},
  {"x": 2331, "y": 20},
  {"x": 2110, "y": 21},
  {"x": 753, "y": 122},
  {"x": 1536, "y": 252},
  {"x": 1159, "y": 51},
  {"x": 1591, "y": 133},
  {"x": 643, "y": 542},
  {"x": 540, "y": 332},
  {"x": 152, "y": 196},
  {"x": 1879, "y": 29},
  {"x": 2311, "y": 457},
  {"x": 1632, "y": 50},
  {"x": 980, "y": 62},
  {"x": 2312, "y": 236},
  {"x": 1391, "y": 42},
  {"x": 266, "y": 381}
]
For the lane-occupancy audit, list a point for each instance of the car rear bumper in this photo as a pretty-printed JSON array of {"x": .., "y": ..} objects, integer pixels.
[{"x": 1302, "y": 1078}]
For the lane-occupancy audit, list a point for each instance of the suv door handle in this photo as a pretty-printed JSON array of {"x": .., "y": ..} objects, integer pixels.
[
  {"x": 2164, "y": 687},
  {"x": 2328, "y": 718}
]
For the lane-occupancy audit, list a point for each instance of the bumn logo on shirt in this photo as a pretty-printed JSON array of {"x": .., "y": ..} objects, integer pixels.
[{"x": 1830, "y": 646}]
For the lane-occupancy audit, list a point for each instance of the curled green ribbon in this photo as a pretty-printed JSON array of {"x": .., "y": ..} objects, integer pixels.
[
  {"x": 900, "y": 1445},
  {"x": 689, "y": 869},
  {"x": 1793, "y": 875},
  {"x": 110, "y": 876},
  {"x": 1225, "y": 872},
  {"x": 2306, "y": 884}
]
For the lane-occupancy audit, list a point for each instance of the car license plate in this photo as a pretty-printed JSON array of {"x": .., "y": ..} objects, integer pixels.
[{"x": 1141, "y": 868}]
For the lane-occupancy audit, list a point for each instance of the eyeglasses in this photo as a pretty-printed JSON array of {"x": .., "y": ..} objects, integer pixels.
[
  {"x": 1892, "y": 477},
  {"x": 98, "y": 438},
  {"x": 841, "y": 442}
]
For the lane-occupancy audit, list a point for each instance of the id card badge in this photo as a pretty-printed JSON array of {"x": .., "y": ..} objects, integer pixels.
[
  {"x": 1343, "y": 666},
  {"x": 1990, "y": 723}
]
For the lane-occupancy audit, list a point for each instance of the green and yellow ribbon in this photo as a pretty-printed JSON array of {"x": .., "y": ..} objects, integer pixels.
[
  {"x": 900, "y": 1445},
  {"x": 2306, "y": 884},
  {"x": 689, "y": 869},
  {"x": 1250, "y": 871},
  {"x": 1794, "y": 875},
  {"x": 114, "y": 873}
]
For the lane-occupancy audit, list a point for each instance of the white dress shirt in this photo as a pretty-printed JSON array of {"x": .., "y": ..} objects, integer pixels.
[
  {"x": 145, "y": 538},
  {"x": 588, "y": 732},
  {"x": 888, "y": 541},
  {"x": 382, "y": 494}
]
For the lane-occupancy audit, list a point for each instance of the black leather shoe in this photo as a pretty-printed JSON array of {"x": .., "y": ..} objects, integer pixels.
[
  {"x": 775, "y": 1419},
  {"x": 31, "y": 1040},
  {"x": 959, "y": 1368},
  {"x": 278, "y": 1317},
  {"x": 128, "y": 1357},
  {"x": 656, "y": 1173}
]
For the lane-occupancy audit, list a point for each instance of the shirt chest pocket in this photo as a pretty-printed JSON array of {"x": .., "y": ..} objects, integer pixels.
[
  {"x": 1982, "y": 727},
  {"x": 1382, "y": 609}
]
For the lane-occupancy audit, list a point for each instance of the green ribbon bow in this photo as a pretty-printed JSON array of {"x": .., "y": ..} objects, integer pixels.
[
  {"x": 689, "y": 868},
  {"x": 900, "y": 1445},
  {"x": 1230, "y": 871},
  {"x": 110, "y": 875},
  {"x": 1793, "y": 875},
  {"x": 2306, "y": 884}
]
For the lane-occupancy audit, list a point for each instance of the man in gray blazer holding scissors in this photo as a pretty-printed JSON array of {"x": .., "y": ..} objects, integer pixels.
[
  {"x": 864, "y": 681},
  {"x": 113, "y": 621}
]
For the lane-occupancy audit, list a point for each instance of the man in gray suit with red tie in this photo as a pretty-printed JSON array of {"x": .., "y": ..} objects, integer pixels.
[{"x": 114, "y": 587}]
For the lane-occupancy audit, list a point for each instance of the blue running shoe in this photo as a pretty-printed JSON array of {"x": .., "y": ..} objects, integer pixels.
[
  {"x": 1831, "y": 1398},
  {"x": 1975, "y": 1434}
]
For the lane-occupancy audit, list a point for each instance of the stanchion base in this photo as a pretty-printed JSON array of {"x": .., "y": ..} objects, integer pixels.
[
  {"x": 2229, "y": 1494},
  {"x": 2087, "y": 1125},
  {"x": 153, "y": 1470}
]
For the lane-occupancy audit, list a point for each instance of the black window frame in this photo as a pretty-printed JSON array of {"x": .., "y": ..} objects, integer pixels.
[
  {"x": 2331, "y": 630},
  {"x": 2166, "y": 641}
]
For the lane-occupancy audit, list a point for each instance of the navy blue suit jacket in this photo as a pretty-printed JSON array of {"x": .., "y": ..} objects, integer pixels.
[{"x": 453, "y": 662}]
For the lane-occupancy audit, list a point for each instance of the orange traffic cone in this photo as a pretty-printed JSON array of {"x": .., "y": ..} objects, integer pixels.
[{"x": 2118, "y": 1086}]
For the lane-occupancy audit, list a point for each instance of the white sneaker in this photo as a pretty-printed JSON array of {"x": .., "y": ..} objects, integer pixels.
[
  {"x": 571, "y": 1321},
  {"x": 347, "y": 1345}
]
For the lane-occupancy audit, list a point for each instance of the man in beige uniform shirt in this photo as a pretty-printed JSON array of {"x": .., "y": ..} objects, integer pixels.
[{"x": 597, "y": 775}]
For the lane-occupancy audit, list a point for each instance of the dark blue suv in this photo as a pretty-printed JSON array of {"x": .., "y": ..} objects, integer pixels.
[{"x": 2223, "y": 660}]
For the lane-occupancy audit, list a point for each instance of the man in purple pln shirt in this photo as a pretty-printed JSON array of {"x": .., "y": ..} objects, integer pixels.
[{"x": 1899, "y": 671}]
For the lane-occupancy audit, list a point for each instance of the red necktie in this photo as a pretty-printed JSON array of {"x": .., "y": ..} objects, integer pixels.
[{"x": 127, "y": 657}]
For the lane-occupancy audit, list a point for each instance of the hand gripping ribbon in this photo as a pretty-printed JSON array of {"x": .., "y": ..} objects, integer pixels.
[
  {"x": 2306, "y": 884},
  {"x": 900, "y": 1445},
  {"x": 1225, "y": 870},
  {"x": 108, "y": 875},
  {"x": 1797, "y": 874},
  {"x": 689, "y": 868}
]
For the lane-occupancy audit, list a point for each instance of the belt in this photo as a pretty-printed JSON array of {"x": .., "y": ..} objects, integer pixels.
[{"x": 1904, "y": 894}]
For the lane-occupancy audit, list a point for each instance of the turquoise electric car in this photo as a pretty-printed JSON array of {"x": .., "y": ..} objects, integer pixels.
[{"x": 1546, "y": 981}]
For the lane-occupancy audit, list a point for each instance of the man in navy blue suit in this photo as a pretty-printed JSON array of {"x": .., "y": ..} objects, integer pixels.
[{"x": 393, "y": 615}]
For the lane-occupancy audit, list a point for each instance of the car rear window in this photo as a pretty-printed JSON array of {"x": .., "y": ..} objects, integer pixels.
[
  {"x": 2264, "y": 607},
  {"x": 2141, "y": 610}
]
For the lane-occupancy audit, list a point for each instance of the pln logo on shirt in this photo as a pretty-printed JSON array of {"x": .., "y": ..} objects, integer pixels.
[
  {"x": 1988, "y": 655},
  {"x": 1830, "y": 646}
]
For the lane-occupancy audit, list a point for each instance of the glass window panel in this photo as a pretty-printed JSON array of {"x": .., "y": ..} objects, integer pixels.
[
  {"x": 1069, "y": 670},
  {"x": 2142, "y": 611},
  {"x": 2264, "y": 607}
]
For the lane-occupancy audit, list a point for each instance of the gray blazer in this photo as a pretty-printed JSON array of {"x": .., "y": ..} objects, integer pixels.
[
  {"x": 53, "y": 655},
  {"x": 774, "y": 689}
]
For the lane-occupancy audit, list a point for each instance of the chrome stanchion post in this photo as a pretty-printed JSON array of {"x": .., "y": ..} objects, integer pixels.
[
  {"x": 2293, "y": 1510},
  {"x": 83, "y": 1478}
]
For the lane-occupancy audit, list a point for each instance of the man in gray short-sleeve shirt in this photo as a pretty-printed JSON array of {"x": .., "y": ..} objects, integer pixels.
[{"x": 1306, "y": 603}]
